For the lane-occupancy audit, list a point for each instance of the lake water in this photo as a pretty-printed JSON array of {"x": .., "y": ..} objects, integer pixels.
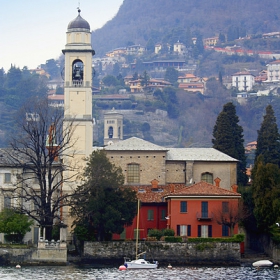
[{"x": 176, "y": 273}]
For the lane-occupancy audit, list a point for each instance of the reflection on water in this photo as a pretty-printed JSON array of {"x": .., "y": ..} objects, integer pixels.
[{"x": 177, "y": 273}]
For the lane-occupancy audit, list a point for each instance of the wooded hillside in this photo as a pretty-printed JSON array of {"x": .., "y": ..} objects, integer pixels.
[{"x": 138, "y": 21}]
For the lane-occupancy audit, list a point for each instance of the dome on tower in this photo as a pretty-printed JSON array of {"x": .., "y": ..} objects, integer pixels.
[{"x": 79, "y": 22}]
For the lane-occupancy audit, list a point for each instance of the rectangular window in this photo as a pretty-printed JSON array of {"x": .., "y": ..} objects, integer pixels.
[
  {"x": 225, "y": 207},
  {"x": 184, "y": 207},
  {"x": 7, "y": 202},
  {"x": 7, "y": 177},
  {"x": 204, "y": 231},
  {"x": 150, "y": 215},
  {"x": 133, "y": 175},
  {"x": 204, "y": 209},
  {"x": 183, "y": 230},
  {"x": 225, "y": 230},
  {"x": 163, "y": 214}
]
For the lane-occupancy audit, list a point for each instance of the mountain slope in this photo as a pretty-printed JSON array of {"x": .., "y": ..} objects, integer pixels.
[{"x": 140, "y": 20}]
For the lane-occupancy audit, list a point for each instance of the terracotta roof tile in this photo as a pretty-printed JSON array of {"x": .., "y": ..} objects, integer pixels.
[
  {"x": 204, "y": 189},
  {"x": 147, "y": 194}
]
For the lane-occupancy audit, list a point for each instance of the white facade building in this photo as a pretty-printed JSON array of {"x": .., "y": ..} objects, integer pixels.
[
  {"x": 273, "y": 69},
  {"x": 243, "y": 81}
]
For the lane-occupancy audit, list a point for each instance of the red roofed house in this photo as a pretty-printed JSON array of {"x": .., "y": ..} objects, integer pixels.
[
  {"x": 192, "y": 211},
  {"x": 197, "y": 211}
]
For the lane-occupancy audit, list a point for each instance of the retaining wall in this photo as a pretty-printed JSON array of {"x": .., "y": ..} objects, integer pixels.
[{"x": 187, "y": 253}]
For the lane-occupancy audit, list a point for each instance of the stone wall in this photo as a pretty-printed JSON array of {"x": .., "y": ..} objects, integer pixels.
[
  {"x": 29, "y": 256},
  {"x": 186, "y": 253}
]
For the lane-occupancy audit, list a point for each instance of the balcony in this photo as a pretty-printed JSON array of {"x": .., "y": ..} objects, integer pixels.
[{"x": 204, "y": 216}]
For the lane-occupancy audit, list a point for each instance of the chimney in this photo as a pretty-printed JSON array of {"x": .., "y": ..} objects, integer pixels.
[
  {"x": 217, "y": 182},
  {"x": 172, "y": 188},
  {"x": 234, "y": 188},
  {"x": 154, "y": 184}
]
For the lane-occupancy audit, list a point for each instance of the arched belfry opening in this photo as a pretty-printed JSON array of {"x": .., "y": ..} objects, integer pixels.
[
  {"x": 113, "y": 127},
  {"x": 110, "y": 132},
  {"x": 77, "y": 71}
]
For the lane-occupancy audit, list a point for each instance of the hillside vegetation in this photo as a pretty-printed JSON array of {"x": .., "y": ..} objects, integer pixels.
[{"x": 138, "y": 21}]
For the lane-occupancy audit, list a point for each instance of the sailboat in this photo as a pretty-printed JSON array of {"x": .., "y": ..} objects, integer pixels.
[{"x": 139, "y": 262}]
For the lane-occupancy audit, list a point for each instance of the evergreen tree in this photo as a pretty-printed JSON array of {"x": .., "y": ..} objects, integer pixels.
[
  {"x": 268, "y": 141},
  {"x": 101, "y": 205},
  {"x": 266, "y": 193},
  {"x": 228, "y": 138}
]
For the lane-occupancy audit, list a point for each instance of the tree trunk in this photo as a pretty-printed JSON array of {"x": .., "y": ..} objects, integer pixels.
[{"x": 49, "y": 232}]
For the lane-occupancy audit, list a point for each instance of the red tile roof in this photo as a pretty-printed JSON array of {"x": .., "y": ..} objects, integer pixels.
[
  {"x": 204, "y": 189},
  {"x": 147, "y": 194}
]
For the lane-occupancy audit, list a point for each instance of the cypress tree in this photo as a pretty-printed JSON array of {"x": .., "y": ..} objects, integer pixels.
[
  {"x": 268, "y": 141},
  {"x": 228, "y": 138}
]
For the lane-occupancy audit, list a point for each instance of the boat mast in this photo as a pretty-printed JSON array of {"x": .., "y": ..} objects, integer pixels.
[{"x": 137, "y": 229}]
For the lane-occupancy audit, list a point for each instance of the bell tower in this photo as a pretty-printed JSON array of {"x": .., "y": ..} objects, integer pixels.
[
  {"x": 78, "y": 87},
  {"x": 113, "y": 127}
]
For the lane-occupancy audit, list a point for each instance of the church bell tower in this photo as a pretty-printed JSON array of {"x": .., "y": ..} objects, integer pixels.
[{"x": 78, "y": 87}]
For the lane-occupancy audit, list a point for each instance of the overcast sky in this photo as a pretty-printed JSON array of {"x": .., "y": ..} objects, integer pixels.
[{"x": 33, "y": 31}]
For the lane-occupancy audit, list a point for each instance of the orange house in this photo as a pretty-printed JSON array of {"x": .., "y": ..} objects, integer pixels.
[
  {"x": 199, "y": 210},
  {"x": 191, "y": 211}
]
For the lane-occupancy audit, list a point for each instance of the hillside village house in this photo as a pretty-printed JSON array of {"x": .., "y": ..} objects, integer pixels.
[
  {"x": 179, "y": 48},
  {"x": 135, "y": 50},
  {"x": 273, "y": 69},
  {"x": 189, "y": 82},
  {"x": 153, "y": 84},
  {"x": 211, "y": 41},
  {"x": 243, "y": 81}
]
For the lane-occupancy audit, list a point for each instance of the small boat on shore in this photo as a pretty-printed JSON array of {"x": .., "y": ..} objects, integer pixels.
[{"x": 262, "y": 263}]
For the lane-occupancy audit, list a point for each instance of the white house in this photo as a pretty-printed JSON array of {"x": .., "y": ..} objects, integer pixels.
[
  {"x": 179, "y": 48},
  {"x": 243, "y": 81},
  {"x": 273, "y": 71}
]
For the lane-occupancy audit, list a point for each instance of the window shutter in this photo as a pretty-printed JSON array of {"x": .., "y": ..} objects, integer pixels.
[
  {"x": 189, "y": 230},
  {"x": 178, "y": 230},
  {"x": 210, "y": 231},
  {"x": 199, "y": 230}
]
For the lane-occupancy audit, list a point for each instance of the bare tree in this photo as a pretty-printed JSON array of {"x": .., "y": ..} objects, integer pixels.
[
  {"x": 229, "y": 214},
  {"x": 36, "y": 151}
]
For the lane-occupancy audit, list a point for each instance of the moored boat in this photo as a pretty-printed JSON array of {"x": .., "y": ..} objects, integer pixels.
[
  {"x": 140, "y": 263},
  {"x": 262, "y": 263}
]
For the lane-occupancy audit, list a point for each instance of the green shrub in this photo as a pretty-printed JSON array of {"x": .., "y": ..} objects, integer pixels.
[
  {"x": 173, "y": 239},
  {"x": 155, "y": 233},
  {"x": 236, "y": 239},
  {"x": 168, "y": 232}
]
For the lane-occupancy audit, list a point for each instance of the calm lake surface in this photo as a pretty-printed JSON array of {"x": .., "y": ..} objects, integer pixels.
[{"x": 176, "y": 273}]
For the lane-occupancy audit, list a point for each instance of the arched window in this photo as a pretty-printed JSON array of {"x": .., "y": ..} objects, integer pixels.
[
  {"x": 110, "y": 132},
  {"x": 77, "y": 70},
  {"x": 133, "y": 173},
  {"x": 207, "y": 177}
]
